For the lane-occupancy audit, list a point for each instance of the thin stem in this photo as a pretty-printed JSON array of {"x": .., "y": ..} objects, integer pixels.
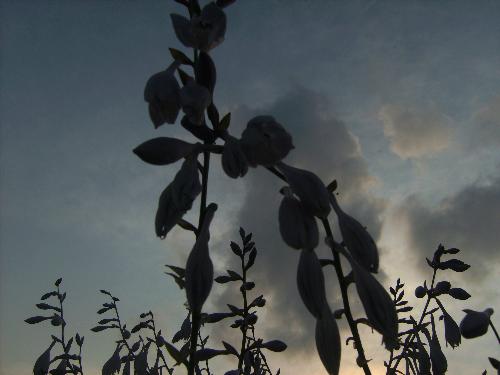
[
  {"x": 195, "y": 322},
  {"x": 245, "y": 309},
  {"x": 495, "y": 331},
  {"x": 345, "y": 299},
  {"x": 63, "y": 323},
  {"x": 411, "y": 336}
]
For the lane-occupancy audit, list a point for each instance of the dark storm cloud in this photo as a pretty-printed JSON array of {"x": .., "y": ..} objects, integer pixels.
[
  {"x": 326, "y": 146},
  {"x": 467, "y": 220}
]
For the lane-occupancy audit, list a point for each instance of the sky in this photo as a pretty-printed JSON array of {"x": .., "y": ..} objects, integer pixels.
[{"x": 398, "y": 101}]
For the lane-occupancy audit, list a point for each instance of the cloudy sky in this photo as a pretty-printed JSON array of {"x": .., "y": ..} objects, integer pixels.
[{"x": 399, "y": 101}]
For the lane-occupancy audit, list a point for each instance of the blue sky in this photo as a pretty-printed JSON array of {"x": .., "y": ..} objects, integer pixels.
[{"x": 400, "y": 101}]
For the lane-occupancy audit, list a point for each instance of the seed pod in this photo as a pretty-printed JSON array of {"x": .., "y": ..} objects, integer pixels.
[
  {"x": 357, "y": 239},
  {"x": 475, "y": 323},
  {"x": 162, "y": 92},
  {"x": 328, "y": 342},
  {"x": 378, "y": 305},
  {"x": 311, "y": 283},
  {"x": 194, "y": 100},
  {"x": 178, "y": 197},
  {"x": 234, "y": 161},
  {"x": 298, "y": 227},
  {"x": 265, "y": 142},
  {"x": 199, "y": 267},
  {"x": 309, "y": 188}
]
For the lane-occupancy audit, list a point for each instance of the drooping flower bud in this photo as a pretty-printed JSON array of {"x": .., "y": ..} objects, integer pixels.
[
  {"x": 475, "y": 323},
  {"x": 328, "y": 342},
  {"x": 199, "y": 267},
  {"x": 194, "y": 100},
  {"x": 178, "y": 197},
  {"x": 234, "y": 161},
  {"x": 162, "y": 93},
  {"x": 438, "y": 359},
  {"x": 265, "y": 142},
  {"x": 451, "y": 331},
  {"x": 309, "y": 188},
  {"x": 311, "y": 283},
  {"x": 298, "y": 227},
  {"x": 357, "y": 239},
  {"x": 203, "y": 32},
  {"x": 377, "y": 303}
]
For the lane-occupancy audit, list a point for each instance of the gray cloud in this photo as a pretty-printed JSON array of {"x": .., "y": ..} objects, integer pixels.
[
  {"x": 326, "y": 146},
  {"x": 467, "y": 220},
  {"x": 485, "y": 129},
  {"x": 415, "y": 133}
]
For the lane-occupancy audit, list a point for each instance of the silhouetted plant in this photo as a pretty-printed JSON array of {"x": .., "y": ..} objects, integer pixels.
[
  {"x": 67, "y": 363},
  {"x": 306, "y": 200}
]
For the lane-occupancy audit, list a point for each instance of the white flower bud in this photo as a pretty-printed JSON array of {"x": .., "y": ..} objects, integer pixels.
[
  {"x": 357, "y": 239},
  {"x": 199, "y": 267},
  {"x": 328, "y": 342},
  {"x": 311, "y": 283},
  {"x": 194, "y": 100},
  {"x": 265, "y": 142},
  {"x": 234, "y": 161},
  {"x": 309, "y": 188},
  {"x": 298, "y": 227},
  {"x": 178, "y": 197},
  {"x": 475, "y": 323},
  {"x": 162, "y": 93},
  {"x": 377, "y": 303}
]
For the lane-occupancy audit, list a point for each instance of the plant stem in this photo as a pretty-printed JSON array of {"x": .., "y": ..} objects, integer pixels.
[
  {"x": 495, "y": 331},
  {"x": 245, "y": 308},
  {"x": 63, "y": 323},
  {"x": 195, "y": 322},
  {"x": 410, "y": 337},
  {"x": 345, "y": 299}
]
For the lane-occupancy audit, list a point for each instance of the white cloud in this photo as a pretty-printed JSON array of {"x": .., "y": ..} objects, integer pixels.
[{"x": 413, "y": 133}]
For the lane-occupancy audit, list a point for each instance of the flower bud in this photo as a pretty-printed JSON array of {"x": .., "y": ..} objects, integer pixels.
[
  {"x": 328, "y": 342},
  {"x": 309, "y": 188},
  {"x": 178, "y": 197},
  {"x": 203, "y": 32},
  {"x": 298, "y": 228},
  {"x": 441, "y": 287},
  {"x": 265, "y": 142},
  {"x": 420, "y": 292},
  {"x": 451, "y": 331},
  {"x": 199, "y": 267},
  {"x": 234, "y": 162},
  {"x": 475, "y": 323},
  {"x": 357, "y": 239},
  {"x": 311, "y": 283},
  {"x": 378, "y": 305},
  {"x": 162, "y": 93},
  {"x": 194, "y": 100}
]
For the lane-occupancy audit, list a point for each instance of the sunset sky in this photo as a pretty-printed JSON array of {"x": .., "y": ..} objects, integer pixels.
[{"x": 398, "y": 101}]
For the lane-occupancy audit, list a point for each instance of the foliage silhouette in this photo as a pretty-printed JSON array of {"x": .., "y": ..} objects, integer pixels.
[{"x": 265, "y": 143}]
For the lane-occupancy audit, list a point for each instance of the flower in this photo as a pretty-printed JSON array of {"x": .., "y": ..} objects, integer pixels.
[
  {"x": 194, "y": 100},
  {"x": 265, "y": 142},
  {"x": 234, "y": 161},
  {"x": 328, "y": 342},
  {"x": 203, "y": 32},
  {"x": 309, "y": 188},
  {"x": 298, "y": 227},
  {"x": 199, "y": 267},
  {"x": 357, "y": 239},
  {"x": 475, "y": 323},
  {"x": 162, "y": 92},
  {"x": 178, "y": 197},
  {"x": 311, "y": 283}
]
